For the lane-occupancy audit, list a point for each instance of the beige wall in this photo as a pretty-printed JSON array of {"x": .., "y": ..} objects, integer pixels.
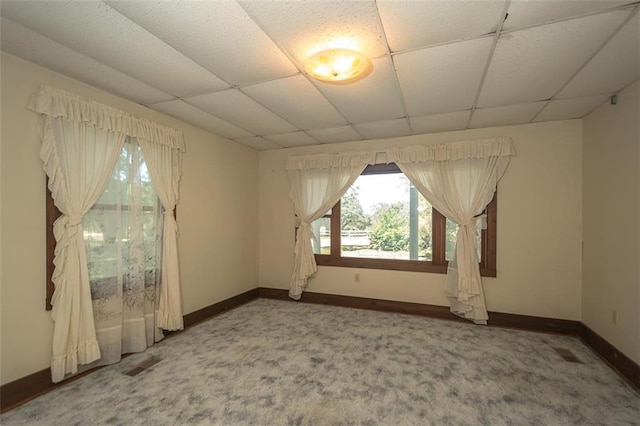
[
  {"x": 539, "y": 226},
  {"x": 611, "y": 206},
  {"x": 217, "y": 216}
]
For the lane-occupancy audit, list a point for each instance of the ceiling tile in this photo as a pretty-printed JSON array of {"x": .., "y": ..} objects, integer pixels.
[
  {"x": 440, "y": 122},
  {"x": 372, "y": 98},
  {"x": 413, "y": 24},
  {"x": 613, "y": 68},
  {"x": 505, "y": 116},
  {"x": 305, "y": 27},
  {"x": 523, "y": 13},
  {"x": 99, "y": 32},
  {"x": 566, "y": 109},
  {"x": 185, "y": 112},
  {"x": 533, "y": 64},
  {"x": 292, "y": 139},
  {"x": 239, "y": 109},
  {"x": 335, "y": 134},
  {"x": 443, "y": 78},
  {"x": 384, "y": 129},
  {"x": 258, "y": 143},
  {"x": 297, "y": 100},
  {"x": 40, "y": 50},
  {"x": 218, "y": 35}
]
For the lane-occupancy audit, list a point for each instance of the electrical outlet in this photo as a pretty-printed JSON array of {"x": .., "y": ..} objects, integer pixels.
[
  {"x": 356, "y": 278},
  {"x": 614, "y": 316}
]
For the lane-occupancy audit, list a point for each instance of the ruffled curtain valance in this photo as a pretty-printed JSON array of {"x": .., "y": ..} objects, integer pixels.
[
  {"x": 56, "y": 103},
  {"x": 498, "y": 147},
  {"x": 326, "y": 161},
  {"x": 481, "y": 148}
]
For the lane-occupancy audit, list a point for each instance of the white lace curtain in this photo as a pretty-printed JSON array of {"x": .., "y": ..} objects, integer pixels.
[
  {"x": 317, "y": 182},
  {"x": 123, "y": 239},
  {"x": 81, "y": 143},
  {"x": 459, "y": 180}
]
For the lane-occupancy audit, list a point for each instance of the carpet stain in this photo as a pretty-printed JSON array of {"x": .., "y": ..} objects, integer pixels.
[
  {"x": 567, "y": 355},
  {"x": 143, "y": 366}
]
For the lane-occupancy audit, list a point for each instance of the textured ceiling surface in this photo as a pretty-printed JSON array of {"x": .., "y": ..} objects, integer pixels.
[{"x": 236, "y": 68}]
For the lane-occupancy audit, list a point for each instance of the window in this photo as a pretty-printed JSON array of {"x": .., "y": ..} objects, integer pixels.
[
  {"x": 123, "y": 224},
  {"x": 383, "y": 222}
]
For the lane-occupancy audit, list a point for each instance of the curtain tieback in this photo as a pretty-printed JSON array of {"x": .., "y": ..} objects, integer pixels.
[
  {"x": 68, "y": 225},
  {"x": 301, "y": 223},
  {"x": 304, "y": 225},
  {"x": 480, "y": 219},
  {"x": 74, "y": 220},
  {"x": 167, "y": 213}
]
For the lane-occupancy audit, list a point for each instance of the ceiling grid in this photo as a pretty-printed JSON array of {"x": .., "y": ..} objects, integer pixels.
[
  {"x": 505, "y": 14},
  {"x": 236, "y": 68}
]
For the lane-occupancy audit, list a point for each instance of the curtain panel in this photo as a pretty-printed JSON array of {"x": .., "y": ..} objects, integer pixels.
[
  {"x": 165, "y": 169},
  {"x": 80, "y": 145},
  {"x": 78, "y": 173},
  {"x": 317, "y": 182},
  {"x": 459, "y": 180}
]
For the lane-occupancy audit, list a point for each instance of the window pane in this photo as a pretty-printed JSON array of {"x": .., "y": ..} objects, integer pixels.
[
  {"x": 383, "y": 216},
  {"x": 100, "y": 228},
  {"x": 148, "y": 193},
  {"x": 130, "y": 180},
  {"x": 451, "y": 232},
  {"x": 121, "y": 231},
  {"x": 321, "y": 239}
]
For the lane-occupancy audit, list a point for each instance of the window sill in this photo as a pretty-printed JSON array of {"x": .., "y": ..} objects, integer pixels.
[{"x": 391, "y": 265}]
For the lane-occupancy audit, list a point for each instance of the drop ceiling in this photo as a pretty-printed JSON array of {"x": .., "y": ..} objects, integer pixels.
[{"x": 236, "y": 68}]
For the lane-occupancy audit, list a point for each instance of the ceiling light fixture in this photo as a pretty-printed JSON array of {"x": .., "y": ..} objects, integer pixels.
[{"x": 338, "y": 66}]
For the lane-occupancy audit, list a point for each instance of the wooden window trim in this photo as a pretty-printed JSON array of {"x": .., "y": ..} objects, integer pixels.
[
  {"x": 52, "y": 214},
  {"x": 438, "y": 264}
]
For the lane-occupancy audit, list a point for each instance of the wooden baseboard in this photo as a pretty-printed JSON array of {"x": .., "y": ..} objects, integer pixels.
[
  {"x": 216, "y": 309},
  {"x": 18, "y": 392},
  {"x": 27, "y": 388},
  {"x": 496, "y": 319},
  {"x": 623, "y": 365},
  {"x": 363, "y": 303},
  {"x": 23, "y": 390}
]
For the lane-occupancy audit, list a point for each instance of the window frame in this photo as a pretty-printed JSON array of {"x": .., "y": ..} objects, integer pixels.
[
  {"x": 52, "y": 214},
  {"x": 438, "y": 264}
]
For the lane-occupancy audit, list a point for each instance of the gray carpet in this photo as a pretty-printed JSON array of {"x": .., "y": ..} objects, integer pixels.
[{"x": 274, "y": 362}]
